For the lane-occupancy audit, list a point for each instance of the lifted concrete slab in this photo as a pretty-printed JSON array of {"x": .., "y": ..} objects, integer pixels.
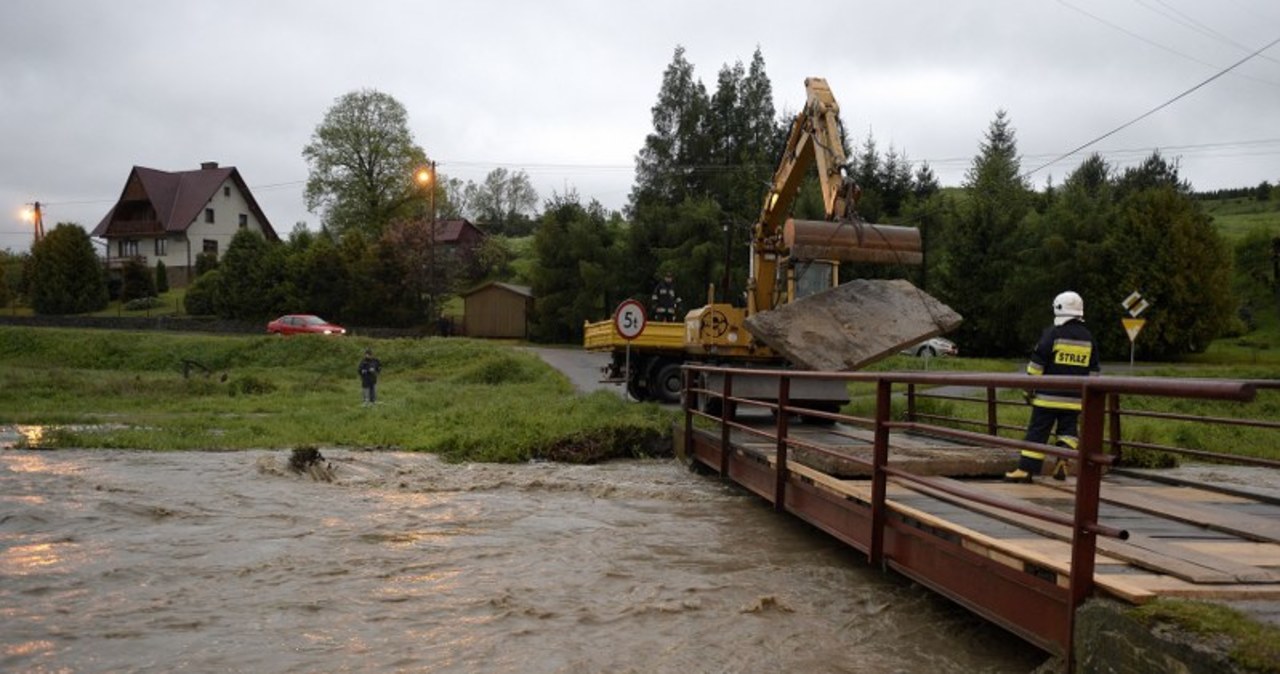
[{"x": 853, "y": 325}]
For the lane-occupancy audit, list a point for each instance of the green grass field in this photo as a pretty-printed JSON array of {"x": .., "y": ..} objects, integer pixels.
[{"x": 463, "y": 399}]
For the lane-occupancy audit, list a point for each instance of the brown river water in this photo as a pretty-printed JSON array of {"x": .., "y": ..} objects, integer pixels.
[{"x": 114, "y": 561}]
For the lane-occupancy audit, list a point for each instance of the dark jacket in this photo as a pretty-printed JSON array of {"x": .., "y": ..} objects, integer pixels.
[
  {"x": 369, "y": 369},
  {"x": 1066, "y": 349}
]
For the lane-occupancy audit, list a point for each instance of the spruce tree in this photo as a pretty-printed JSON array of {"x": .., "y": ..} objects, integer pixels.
[{"x": 984, "y": 245}]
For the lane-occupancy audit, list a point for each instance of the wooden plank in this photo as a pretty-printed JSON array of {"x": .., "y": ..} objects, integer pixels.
[
  {"x": 1168, "y": 586},
  {"x": 1183, "y": 494},
  {"x": 1146, "y": 552},
  {"x": 1122, "y": 586},
  {"x": 1245, "y": 552},
  {"x": 1248, "y": 526}
]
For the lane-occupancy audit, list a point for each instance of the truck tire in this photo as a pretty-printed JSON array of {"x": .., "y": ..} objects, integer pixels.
[
  {"x": 637, "y": 390},
  {"x": 831, "y": 407},
  {"x": 666, "y": 382}
]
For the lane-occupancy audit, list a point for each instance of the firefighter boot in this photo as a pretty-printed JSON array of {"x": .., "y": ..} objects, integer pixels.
[
  {"x": 1060, "y": 470},
  {"x": 1027, "y": 467}
]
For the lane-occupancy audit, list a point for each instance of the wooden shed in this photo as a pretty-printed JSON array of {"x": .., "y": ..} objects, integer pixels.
[{"x": 497, "y": 309}]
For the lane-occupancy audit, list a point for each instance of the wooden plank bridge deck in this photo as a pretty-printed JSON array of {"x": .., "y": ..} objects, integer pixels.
[
  {"x": 955, "y": 527},
  {"x": 1183, "y": 541},
  {"x": 927, "y": 500}
]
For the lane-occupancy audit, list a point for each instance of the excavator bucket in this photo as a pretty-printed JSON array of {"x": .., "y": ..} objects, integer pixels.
[{"x": 852, "y": 325}]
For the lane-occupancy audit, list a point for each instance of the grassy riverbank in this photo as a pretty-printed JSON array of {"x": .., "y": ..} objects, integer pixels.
[{"x": 463, "y": 399}]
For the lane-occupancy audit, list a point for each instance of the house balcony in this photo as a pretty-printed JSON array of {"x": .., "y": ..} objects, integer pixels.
[
  {"x": 118, "y": 261},
  {"x": 123, "y": 228}
]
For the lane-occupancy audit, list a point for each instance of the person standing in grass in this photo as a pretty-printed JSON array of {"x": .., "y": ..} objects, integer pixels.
[{"x": 369, "y": 369}]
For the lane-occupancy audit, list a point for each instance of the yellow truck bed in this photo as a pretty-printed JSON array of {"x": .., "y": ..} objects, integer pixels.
[{"x": 601, "y": 336}]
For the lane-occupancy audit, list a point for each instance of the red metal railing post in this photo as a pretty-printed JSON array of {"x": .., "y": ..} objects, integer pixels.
[
  {"x": 911, "y": 403},
  {"x": 780, "y": 484},
  {"x": 879, "y": 479},
  {"x": 688, "y": 414},
  {"x": 1084, "y": 542},
  {"x": 993, "y": 423},
  {"x": 724, "y": 423}
]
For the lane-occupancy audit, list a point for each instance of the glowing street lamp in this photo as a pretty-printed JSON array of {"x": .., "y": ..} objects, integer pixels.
[
  {"x": 426, "y": 177},
  {"x": 31, "y": 213}
]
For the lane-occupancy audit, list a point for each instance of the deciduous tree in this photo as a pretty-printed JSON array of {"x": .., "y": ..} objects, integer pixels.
[
  {"x": 504, "y": 203},
  {"x": 362, "y": 160}
]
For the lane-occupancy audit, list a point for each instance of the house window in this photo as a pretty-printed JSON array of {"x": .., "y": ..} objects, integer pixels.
[
  {"x": 208, "y": 215},
  {"x": 210, "y": 246},
  {"x": 162, "y": 247},
  {"x": 128, "y": 247},
  {"x": 226, "y": 190},
  {"x": 244, "y": 221}
]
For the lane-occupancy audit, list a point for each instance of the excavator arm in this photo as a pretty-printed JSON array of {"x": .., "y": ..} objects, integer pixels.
[{"x": 816, "y": 140}]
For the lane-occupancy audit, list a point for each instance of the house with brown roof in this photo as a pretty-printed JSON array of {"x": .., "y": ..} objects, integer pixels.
[
  {"x": 459, "y": 234},
  {"x": 173, "y": 216}
]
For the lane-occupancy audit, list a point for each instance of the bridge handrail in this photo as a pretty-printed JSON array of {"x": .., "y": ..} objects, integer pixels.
[{"x": 1095, "y": 391}]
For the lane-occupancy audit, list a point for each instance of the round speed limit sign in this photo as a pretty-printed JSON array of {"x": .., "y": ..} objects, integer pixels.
[{"x": 629, "y": 319}]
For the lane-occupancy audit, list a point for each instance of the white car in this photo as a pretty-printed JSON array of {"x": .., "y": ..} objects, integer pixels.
[{"x": 933, "y": 347}]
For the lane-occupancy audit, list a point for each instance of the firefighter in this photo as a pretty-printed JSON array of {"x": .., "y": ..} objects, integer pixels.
[
  {"x": 664, "y": 302},
  {"x": 1066, "y": 348}
]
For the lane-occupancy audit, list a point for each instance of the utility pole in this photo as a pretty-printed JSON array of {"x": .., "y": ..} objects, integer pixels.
[
  {"x": 37, "y": 220},
  {"x": 426, "y": 177}
]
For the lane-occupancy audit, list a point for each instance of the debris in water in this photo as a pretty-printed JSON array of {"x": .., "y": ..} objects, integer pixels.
[
  {"x": 767, "y": 604},
  {"x": 309, "y": 460}
]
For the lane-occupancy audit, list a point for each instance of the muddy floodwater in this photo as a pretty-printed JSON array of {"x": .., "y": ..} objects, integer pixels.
[{"x": 229, "y": 562}]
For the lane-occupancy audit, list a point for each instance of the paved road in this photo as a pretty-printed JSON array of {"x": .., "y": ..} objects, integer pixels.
[{"x": 583, "y": 368}]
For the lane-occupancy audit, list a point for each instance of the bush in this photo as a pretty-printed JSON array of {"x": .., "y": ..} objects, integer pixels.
[
  {"x": 162, "y": 278},
  {"x": 250, "y": 385},
  {"x": 206, "y": 262},
  {"x": 202, "y": 296},
  {"x": 143, "y": 303},
  {"x": 138, "y": 282},
  {"x": 65, "y": 275}
]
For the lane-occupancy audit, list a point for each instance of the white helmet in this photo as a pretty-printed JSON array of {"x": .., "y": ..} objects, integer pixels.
[{"x": 1067, "y": 306}]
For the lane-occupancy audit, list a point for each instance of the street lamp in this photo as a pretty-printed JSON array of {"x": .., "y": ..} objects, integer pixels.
[
  {"x": 426, "y": 177},
  {"x": 33, "y": 215}
]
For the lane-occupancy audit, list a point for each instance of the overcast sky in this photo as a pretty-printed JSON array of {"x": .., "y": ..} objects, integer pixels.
[{"x": 563, "y": 89}]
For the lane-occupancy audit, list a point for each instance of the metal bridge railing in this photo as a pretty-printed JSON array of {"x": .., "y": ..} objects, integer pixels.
[
  {"x": 1115, "y": 426},
  {"x": 1100, "y": 411}
]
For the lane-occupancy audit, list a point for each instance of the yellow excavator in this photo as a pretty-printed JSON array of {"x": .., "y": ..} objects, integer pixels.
[{"x": 796, "y": 311}]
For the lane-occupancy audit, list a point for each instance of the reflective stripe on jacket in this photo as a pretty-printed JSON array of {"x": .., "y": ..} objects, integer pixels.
[{"x": 1066, "y": 349}]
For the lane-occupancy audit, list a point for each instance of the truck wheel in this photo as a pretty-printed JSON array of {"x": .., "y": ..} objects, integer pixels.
[
  {"x": 637, "y": 390},
  {"x": 667, "y": 383},
  {"x": 831, "y": 407}
]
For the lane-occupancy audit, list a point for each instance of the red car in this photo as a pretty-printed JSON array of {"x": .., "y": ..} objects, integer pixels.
[{"x": 301, "y": 324}]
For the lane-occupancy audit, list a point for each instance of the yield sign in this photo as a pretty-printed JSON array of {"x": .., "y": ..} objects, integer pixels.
[{"x": 1133, "y": 326}]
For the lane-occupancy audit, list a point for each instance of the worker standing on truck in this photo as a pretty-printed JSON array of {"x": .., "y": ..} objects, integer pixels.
[
  {"x": 664, "y": 302},
  {"x": 1066, "y": 348}
]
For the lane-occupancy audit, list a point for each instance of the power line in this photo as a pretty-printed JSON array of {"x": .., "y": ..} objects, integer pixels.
[
  {"x": 1155, "y": 44},
  {"x": 1156, "y": 109}
]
